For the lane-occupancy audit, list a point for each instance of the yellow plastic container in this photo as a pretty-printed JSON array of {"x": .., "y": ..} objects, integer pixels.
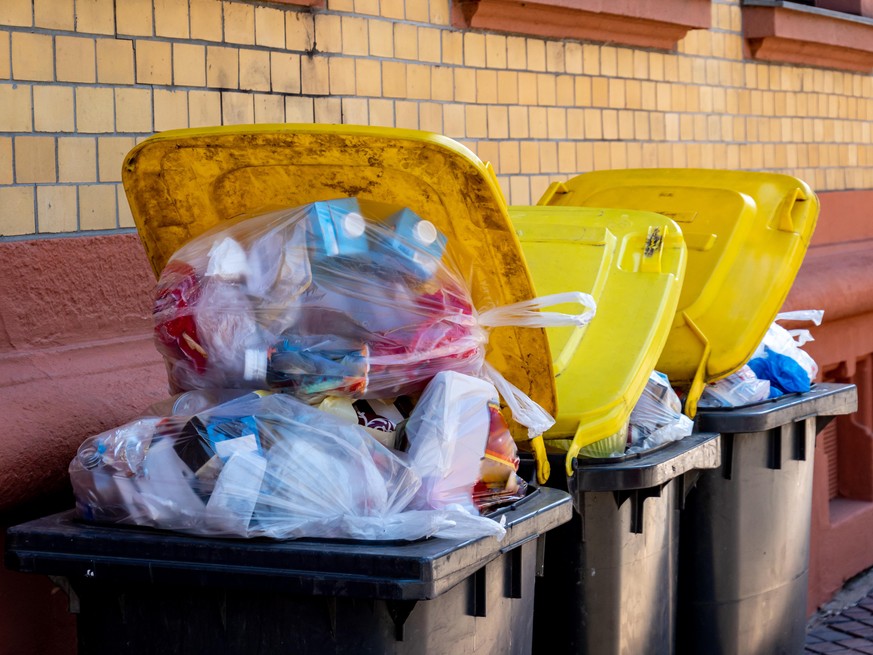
[
  {"x": 633, "y": 263},
  {"x": 747, "y": 234},
  {"x": 181, "y": 183}
]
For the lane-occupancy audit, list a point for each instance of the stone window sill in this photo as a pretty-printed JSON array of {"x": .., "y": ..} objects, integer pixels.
[
  {"x": 797, "y": 34},
  {"x": 628, "y": 22}
]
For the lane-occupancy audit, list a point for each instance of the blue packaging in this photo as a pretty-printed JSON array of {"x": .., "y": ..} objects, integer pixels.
[
  {"x": 416, "y": 243},
  {"x": 338, "y": 229},
  {"x": 785, "y": 374}
]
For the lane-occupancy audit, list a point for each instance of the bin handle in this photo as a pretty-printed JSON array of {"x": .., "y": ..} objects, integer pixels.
[
  {"x": 786, "y": 219},
  {"x": 554, "y": 189},
  {"x": 698, "y": 383},
  {"x": 544, "y": 469}
]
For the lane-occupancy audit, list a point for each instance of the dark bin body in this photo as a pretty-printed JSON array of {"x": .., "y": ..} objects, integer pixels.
[
  {"x": 609, "y": 584},
  {"x": 141, "y": 591},
  {"x": 744, "y": 547}
]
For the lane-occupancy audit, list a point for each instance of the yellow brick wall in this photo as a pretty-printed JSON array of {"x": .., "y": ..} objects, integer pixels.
[{"x": 82, "y": 81}]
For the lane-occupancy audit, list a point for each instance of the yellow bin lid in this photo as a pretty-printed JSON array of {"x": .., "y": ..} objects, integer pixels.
[
  {"x": 747, "y": 234},
  {"x": 182, "y": 183},
  {"x": 633, "y": 263}
]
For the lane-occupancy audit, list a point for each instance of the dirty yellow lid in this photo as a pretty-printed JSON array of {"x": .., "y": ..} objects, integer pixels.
[
  {"x": 182, "y": 183},
  {"x": 747, "y": 234},
  {"x": 633, "y": 263}
]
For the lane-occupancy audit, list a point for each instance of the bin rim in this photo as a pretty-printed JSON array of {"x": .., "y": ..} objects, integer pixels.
[
  {"x": 824, "y": 399},
  {"x": 697, "y": 451}
]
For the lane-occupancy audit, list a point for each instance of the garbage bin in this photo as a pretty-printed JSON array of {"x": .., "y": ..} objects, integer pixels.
[
  {"x": 633, "y": 264},
  {"x": 610, "y": 577},
  {"x": 609, "y": 584},
  {"x": 744, "y": 546},
  {"x": 745, "y": 533},
  {"x": 146, "y": 591},
  {"x": 180, "y": 184},
  {"x": 746, "y": 233}
]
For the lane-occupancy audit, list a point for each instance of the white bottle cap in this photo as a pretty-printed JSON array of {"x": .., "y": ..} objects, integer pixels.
[
  {"x": 353, "y": 225},
  {"x": 425, "y": 232}
]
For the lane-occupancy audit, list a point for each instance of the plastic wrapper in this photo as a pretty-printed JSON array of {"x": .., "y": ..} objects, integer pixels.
[
  {"x": 779, "y": 358},
  {"x": 498, "y": 483},
  {"x": 447, "y": 432},
  {"x": 657, "y": 417},
  {"x": 461, "y": 446},
  {"x": 738, "y": 389},
  {"x": 331, "y": 299},
  {"x": 262, "y": 465}
]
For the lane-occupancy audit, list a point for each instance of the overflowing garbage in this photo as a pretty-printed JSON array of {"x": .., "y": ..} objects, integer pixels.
[
  {"x": 655, "y": 421},
  {"x": 737, "y": 389},
  {"x": 332, "y": 378},
  {"x": 267, "y": 465},
  {"x": 329, "y": 365},
  {"x": 778, "y": 366},
  {"x": 657, "y": 418}
]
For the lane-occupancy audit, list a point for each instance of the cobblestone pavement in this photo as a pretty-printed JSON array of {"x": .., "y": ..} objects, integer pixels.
[{"x": 844, "y": 626}]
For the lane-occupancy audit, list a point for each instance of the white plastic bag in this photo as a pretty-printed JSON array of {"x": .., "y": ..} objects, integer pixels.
[
  {"x": 787, "y": 343},
  {"x": 447, "y": 432},
  {"x": 657, "y": 417},
  {"x": 339, "y": 298},
  {"x": 780, "y": 360}
]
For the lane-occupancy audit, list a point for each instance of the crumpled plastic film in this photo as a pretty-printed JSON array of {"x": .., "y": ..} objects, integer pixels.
[{"x": 262, "y": 465}]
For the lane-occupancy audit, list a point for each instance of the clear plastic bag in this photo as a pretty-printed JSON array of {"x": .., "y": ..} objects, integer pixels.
[
  {"x": 738, "y": 389},
  {"x": 316, "y": 301},
  {"x": 260, "y": 465},
  {"x": 657, "y": 417},
  {"x": 339, "y": 298}
]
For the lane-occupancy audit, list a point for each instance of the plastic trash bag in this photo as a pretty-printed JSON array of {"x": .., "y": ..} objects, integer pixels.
[
  {"x": 779, "y": 358},
  {"x": 460, "y": 445},
  {"x": 447, "y": 433},
  {"x": 657, "y": 417},
  {"x": 263, "y": 465},
  {"x": 737, "y": 389},
  {"x": 339, "y": 298},
  {"x": 331, "y": 298}
]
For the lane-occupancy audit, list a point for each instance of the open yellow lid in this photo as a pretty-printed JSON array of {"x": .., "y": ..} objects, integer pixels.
[
  {"x": 633, "y": 263},
  {"x": 747, "y": 234},
  {"x": 182, "y": 183}
]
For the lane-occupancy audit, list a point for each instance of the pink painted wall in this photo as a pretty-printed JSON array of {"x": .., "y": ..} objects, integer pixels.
[{"x": 837, "y": 276}]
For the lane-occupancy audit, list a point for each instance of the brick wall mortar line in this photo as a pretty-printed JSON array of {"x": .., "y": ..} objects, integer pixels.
[
  {"x": 67, "y": 235},
  {"x": 35, "y": 209}
]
